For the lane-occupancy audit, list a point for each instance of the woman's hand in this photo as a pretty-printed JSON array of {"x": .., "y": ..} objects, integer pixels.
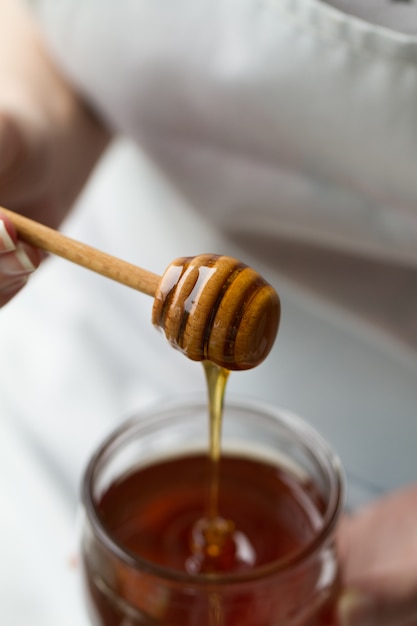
[
  {"x": 49, "y": 141},
  {"x": 378, "y": 547}
]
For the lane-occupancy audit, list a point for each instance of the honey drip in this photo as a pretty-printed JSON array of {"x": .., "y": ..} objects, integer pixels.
[
  {"x": 216, "y": 378},
  {"x": 216, "y": 544}
]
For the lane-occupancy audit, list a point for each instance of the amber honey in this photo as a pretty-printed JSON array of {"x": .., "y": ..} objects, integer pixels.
[{"x": 155, "y": 512}]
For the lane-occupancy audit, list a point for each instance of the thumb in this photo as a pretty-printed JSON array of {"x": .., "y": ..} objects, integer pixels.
[{"x": 368, "y": 608}]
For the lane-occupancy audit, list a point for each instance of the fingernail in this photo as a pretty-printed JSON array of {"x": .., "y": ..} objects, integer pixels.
[
  {"x": 6, "y": 242},
  {"x": 355, "y": 608},
  {"x": 16, "y": 262},
  {"x": 23, "y": 258}
]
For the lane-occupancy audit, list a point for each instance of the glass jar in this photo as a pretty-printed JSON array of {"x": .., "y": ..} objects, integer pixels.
[{"x": 125, "y": 588}]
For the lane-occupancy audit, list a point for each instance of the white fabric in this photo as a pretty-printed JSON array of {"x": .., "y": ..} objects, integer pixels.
[
  {"x": 250, "y": 120},
  {"x": 273, "y": 115},
  {"x": 398, "y": 15}
]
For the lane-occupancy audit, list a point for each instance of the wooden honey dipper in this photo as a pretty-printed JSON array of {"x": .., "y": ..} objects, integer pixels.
[{"x": 210, "y": 307}]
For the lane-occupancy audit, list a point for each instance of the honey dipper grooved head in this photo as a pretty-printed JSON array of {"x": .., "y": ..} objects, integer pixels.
[{"x": 216, "y": 308}]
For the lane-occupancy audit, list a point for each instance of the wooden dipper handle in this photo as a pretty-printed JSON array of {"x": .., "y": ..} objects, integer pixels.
[{"x": 55, "y": 242}]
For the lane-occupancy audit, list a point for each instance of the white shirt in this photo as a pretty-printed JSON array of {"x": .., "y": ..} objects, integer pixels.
[
  {"x": 400, "y": 15},
  {"x": 256, "y": 128}
]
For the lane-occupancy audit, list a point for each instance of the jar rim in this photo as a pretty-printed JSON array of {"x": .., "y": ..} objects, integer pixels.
[{"x": 283, "y": 566}]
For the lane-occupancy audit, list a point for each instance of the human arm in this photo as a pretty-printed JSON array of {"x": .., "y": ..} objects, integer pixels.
[{"x": 49, "y": 138}]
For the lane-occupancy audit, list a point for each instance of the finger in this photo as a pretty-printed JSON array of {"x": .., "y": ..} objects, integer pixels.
[
  {"x": 17, "y": 261},
  {"x": 23, "y": 260},
  {"x": 15, "y": 253},
  {"x": 9, "y": 290}
]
